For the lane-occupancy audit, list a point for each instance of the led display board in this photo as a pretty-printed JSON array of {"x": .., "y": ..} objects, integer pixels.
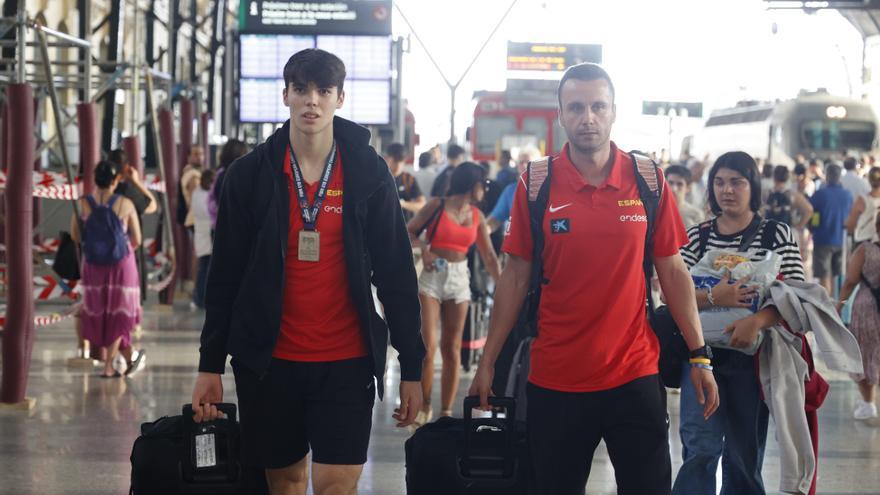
[
  {"x": 550, "y": 56},
  {"x": 363, "y": 17},
  {"x": 367, "y": 84}
]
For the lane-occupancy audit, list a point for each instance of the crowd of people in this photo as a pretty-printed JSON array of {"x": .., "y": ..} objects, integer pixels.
[
  {"x": 109, "y": 232},
  {"x": 573, "y": 237}
]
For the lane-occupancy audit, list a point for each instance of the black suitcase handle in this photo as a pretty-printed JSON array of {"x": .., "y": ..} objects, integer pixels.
[
  {"x": 501, "y": 469},
  {"x": 227, "y": 408},
  {"x": 227, "y": 469}
]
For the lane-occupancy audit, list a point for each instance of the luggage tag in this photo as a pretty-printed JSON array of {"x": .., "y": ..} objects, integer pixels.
[{"x": 206, "y": 449}]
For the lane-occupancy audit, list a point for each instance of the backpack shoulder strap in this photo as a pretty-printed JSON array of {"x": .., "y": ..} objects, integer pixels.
[
  {"x": 704, "y": 233},
  {"x": 91, "y": 201},
  {"x": 435, "y": 217},
  {"x": 650, "y": 186},
  {"x": 768, "y": 234},
  {"x": 538, "y": 175}
]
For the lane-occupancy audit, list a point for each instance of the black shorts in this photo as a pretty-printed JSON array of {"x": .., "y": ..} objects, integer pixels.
[
  {"x": 565, "y": 428},
  {"x": 327, "y": 406}
]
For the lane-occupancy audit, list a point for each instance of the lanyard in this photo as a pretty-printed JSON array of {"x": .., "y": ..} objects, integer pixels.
[{"x": 310, "y": 215}]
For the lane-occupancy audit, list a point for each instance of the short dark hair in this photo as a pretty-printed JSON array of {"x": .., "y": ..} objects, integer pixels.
[
  {"x": 849, "y": 163},
  {"x": 206, "y": 180},
  {"x": 833, "y": 173},
  {"x": 768, "y": 170},
  {"x": 315, "y": 66},
  {"x": 396, "y": 151},
  {"x": 800, "y": 169},
  {"x": 425, "y": 159},
  {"x": 781, "y": 173},
  {"x": 464, "y": 177},
  {"x": 584, "y": 72},
  {"x": 118, "y": 157},
  {"x": 454, "y": 151},
  {"x": 680, "y": 171},
  {"x": 105, "y": 173},
  {"x": 232, "y": 150},
  {"x": 745, "y": 165}
]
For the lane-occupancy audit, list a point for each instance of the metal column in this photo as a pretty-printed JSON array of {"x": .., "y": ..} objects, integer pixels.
[
  {"x": 18, "y": 335},
  {"x": 114, "y": 53}
]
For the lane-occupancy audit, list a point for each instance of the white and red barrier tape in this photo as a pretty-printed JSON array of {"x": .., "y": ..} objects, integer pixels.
[
  {"x": 54, "y": 185},
  {"x": 45, "y": 320}
]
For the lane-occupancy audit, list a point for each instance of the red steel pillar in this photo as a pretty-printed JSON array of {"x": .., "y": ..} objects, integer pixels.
[
  {"x": 169, "y": 159},
  {"x": 89, "y": 144},
  {"x": 203, "y": 139},
  {"x": 132, "y": 147},
  {"x": 18, "y": 334},
  {"x": 185, "y": 256}
]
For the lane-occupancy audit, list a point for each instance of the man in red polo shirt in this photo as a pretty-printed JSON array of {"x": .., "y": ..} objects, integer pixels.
[{"x": 594, "y": 372}]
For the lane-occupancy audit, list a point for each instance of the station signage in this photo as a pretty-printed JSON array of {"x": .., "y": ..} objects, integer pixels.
[
  {"x": 550, "y": 56},
  {"x": 672, "y": 109},
  {"x": 353, "y": 17}
]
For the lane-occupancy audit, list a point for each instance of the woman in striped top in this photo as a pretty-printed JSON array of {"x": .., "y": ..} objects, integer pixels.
[{"x": 739, "y": 428}]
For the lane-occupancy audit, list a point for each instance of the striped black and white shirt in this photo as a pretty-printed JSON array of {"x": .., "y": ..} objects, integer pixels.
[{"x": 785, "y": 245}]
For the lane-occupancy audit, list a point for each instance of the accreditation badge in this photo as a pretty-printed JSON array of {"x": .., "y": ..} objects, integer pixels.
[{"x": 309, "y": 245}]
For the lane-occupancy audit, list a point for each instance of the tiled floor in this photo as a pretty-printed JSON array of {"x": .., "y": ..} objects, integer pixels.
[{"x": 78, "y": 438}]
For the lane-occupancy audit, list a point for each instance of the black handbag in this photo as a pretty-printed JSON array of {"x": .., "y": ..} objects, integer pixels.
[{"x": 66, "y": 262}]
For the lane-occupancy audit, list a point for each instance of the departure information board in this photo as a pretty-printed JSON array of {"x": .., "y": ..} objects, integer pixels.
[
  {"x": 367, "y": 84},
  {"x": 364, "y": 17},
  {"x": 550, "y": 56}
]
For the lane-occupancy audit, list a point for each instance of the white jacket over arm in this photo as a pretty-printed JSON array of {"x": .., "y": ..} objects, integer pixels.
[{"x": 805, "y": 307}]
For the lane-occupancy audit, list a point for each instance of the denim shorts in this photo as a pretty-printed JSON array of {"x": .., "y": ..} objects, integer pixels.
[{"x": 451, "y": 284}]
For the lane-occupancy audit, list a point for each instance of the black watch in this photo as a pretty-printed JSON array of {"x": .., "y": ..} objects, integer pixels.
[{"x": 702, "y": 352}]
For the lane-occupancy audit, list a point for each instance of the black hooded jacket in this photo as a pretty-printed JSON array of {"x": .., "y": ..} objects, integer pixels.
[{"x": 246, "y": 279}]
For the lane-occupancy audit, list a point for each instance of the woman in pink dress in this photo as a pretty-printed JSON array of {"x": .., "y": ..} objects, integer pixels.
[{"x": 110, "y": 285}]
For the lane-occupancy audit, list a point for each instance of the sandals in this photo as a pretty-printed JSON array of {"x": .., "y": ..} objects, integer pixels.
[{"x": 115, "y": 374}]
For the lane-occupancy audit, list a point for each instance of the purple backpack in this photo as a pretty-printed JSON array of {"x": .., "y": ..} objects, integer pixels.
[{"x": 104, "y": 239}]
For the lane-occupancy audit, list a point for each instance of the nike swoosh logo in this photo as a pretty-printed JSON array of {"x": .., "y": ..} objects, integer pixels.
[{"x": 557, "y": 208}]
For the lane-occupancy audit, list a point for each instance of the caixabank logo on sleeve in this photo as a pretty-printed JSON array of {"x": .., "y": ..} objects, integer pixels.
[{"x": 560, "y": 226}]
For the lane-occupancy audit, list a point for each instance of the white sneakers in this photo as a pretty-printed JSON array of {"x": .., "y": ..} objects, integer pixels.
[{"x": 865, "y": 410}]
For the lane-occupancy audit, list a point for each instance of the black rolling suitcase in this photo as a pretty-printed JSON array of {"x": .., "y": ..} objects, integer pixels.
[
  {"x": 485, "y": 456},
  {"x": 174, "y": 455}
]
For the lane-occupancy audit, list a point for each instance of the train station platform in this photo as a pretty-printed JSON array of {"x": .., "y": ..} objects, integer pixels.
[{"x": 78, "y": 438}]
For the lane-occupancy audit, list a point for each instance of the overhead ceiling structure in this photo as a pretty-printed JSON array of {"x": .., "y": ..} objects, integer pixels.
[{"x": 864, "y": 15}]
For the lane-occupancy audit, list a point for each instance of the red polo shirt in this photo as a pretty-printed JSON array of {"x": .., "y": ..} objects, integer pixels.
[
  {"x": 593, "y": 333},
  {"x": 319, "y": 321}
]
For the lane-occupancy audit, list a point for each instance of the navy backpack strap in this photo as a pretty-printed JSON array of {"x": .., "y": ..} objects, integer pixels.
[
  {"x": 91, "y": 201},
  {"x": 650, "y": 186},
  {"x": 538, "y": 196},
  {"x": 112, "y": 200}
]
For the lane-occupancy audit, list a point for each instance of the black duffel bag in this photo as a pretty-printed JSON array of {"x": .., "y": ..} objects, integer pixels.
[
  {"x": 175, "y": 455},
  {"x": 673, "y": 349},
  {"x": 484, "y": 456}
]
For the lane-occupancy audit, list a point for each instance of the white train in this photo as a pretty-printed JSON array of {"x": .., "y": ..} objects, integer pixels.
[{"x": 813, "y": 124}]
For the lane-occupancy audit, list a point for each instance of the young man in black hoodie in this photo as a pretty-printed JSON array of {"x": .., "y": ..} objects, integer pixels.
[{"x": 307, "y": 221}]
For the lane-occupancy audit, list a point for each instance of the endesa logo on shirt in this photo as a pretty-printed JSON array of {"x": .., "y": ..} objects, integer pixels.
[{"x": 634, "y": 218}]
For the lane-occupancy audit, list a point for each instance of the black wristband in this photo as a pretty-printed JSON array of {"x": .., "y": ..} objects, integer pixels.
[{"x": 702, "y": 352}]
